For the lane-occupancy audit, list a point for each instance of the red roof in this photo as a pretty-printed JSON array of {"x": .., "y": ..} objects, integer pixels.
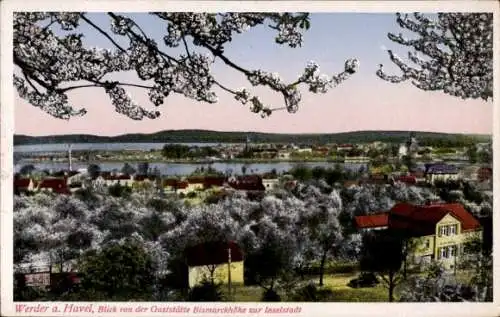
[
  {"x": 248, "y": 182},
  {"x": 407, "y": 179},
  {"x": 372, "y": 221},
  {"x": 196, "y": 180},
  {"x": 22, "y": 182},
  {"x": 140, "y": 178},
  {"x": 423, "y": 218},
  {"x": 170, "y": 182},
  {"x": 58, "y": 185},
  {"x": 54, "y": 183},
  {"x": 182, "y": 184},
  {"x": 214, "y": 181},
  {"x": 420, "y": 219},
  {"x": 213, "y": 253},
  {"x": 484, "y": 173}
]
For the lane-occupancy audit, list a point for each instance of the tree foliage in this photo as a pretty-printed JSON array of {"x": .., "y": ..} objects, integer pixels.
[
  {"x": 451, "y": 52},
  {"x": 121, "y": 271},
  {"x": 49, "y": 65}
]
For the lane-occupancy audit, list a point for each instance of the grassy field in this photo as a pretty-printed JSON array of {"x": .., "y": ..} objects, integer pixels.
[{"x": 337, "y": 283}]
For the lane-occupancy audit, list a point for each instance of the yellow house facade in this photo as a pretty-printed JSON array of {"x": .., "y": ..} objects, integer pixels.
[
  {"x": 219, "y": 272},
  {"x": 445, "y": 245}
]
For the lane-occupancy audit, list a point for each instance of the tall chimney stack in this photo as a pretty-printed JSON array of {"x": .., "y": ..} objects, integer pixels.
[{"x": 69, "y": 158}]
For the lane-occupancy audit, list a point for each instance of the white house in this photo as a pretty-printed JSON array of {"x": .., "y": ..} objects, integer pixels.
[{"x": 270, "y": 182}]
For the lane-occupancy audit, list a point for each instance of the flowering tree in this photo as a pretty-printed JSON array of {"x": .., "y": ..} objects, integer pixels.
[
  {"x": 452, "y": 52},
  {"x": 49, "y": 65},
  {"x": 321, "y": 223}
]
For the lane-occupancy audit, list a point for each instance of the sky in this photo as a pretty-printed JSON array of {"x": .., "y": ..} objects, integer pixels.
[{"x": 363, "y": 102}]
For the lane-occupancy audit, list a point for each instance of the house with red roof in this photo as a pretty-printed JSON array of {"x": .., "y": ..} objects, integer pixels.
[
  {"x": 484, "y": 174},
  {"x": 406, "y": 179},
  {"x": 247, "y": 183},
  {"x": 54, "y": 185},
  {"x": 377, "y": 221},
  {"x": 214, "y": 260},
  {"x": 437, "y": 231},
  {"x": 23, "y": 185}
]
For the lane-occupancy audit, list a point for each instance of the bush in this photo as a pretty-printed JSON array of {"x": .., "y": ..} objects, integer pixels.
[
  {"x": 311, "y": 293},
  {"x": 364, "y": 280},
  {"x": 271, "y": 295},
  {"x": 205, "y": 292}
]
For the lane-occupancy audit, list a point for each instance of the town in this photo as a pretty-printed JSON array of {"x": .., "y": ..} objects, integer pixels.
[
  {"x": 293, "y": 157},
  {"x": 452, "y": 207}
]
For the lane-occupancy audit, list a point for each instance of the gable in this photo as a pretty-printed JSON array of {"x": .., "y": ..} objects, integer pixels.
[{"x": 448, "y": 219}]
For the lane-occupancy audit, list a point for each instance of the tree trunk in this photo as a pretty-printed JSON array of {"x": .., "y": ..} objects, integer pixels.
[
  {"x": 391, "y": 287},
  {"x": 322, "y": 267}
]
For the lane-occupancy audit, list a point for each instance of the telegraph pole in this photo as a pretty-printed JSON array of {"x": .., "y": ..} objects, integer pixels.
[{"x": 229, "y": 269}]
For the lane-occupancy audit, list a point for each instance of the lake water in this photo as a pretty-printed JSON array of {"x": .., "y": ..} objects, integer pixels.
[
  {"x": 171, "y": 169},
  {"x": 63, "y": 147}
]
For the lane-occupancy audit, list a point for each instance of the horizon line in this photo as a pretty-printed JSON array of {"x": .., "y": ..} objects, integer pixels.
[{"x": 260, "y": 132}]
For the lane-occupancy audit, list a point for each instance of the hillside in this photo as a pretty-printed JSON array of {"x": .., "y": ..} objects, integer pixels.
[{"x": 206, "y": 136}]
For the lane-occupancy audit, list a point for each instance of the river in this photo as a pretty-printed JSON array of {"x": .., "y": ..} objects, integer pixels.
[
  {"x": 63, "y": 147},
  {"x": 170, "y": 169}
]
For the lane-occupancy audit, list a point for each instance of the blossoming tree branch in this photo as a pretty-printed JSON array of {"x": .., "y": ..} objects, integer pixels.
[
  {"x": 49, "y": 65},
  {"x": 453, "y": 54}
]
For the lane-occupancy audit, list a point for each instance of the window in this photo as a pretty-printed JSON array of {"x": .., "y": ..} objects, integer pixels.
[
  {"x": 453, "y": 229},
  {"x": 443, "y": 231},
  {"x": 427, "y": 243},
  {"x": 453, "y": 250},
  {"x": 443, "y": 253}
]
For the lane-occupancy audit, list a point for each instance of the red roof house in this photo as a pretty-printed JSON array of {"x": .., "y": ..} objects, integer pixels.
[
  {"x": 407, "y": 179},
  {"x": 418, "y": 220},
  {"x": 247, "y": 183},
  {"x": 484, "y": 173},
  {"x": 56, "y": 185}
]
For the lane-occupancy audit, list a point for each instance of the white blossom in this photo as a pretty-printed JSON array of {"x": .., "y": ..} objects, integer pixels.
[
  {"x": 48, "y": 64},
  {"x": 452, "y": 53}
]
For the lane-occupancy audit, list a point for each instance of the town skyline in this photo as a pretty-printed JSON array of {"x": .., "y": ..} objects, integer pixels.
[{"x": 362, "y": 103}]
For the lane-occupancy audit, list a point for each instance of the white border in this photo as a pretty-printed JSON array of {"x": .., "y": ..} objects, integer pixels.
[{"x": 325, "y": 309}]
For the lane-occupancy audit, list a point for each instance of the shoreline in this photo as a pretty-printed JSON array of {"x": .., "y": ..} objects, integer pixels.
[{"x": 195, "y": 162}]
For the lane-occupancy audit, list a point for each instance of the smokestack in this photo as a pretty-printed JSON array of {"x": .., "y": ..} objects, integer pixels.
[{"x": 69, "y": 158}]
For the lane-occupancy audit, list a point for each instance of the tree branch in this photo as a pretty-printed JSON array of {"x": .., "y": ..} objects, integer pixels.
[{"x": 102, "y": 32}]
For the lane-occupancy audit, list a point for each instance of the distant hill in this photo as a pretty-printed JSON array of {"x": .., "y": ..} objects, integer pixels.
[{"x": 207, "y": 136}]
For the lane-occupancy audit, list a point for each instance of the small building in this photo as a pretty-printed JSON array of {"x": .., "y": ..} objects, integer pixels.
[
  {"x": 110, "y": 179},
  {"x": 440, "y": 172},
  {"x": 484, "y": 174},
  {"x": 345, "y": 147},
  {"x": 54, "y": 185},
  {"x": 23, "y": 185},
  {"x": 284, "y": 155},
  {"x": 195, "y": 183},
  {"x": 214, "y": 260},
  {"x": 246, "y": 183},
  {"x": 270, "y": 181},
  {"x": 406, "y": 179}
]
